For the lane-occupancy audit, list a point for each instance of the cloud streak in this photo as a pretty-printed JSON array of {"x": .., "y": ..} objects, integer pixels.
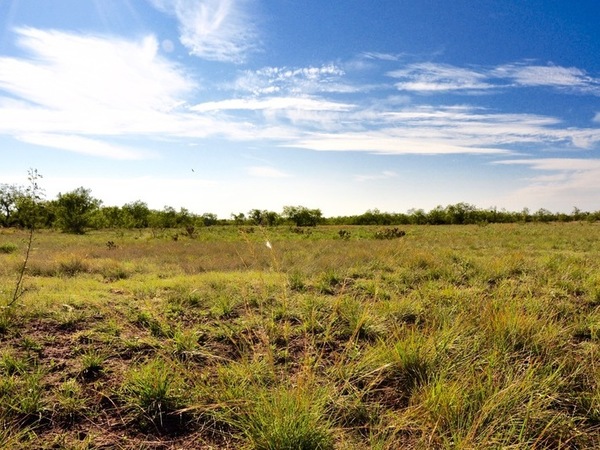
[
  {"x": 571, "y": 182},
  {"x": 435, "y": 77},
  {"x": 217, "y": 30},
  {"x": 273, "y": 103},
  {"x": 85, "y": 146},
  {"x": 430, "y": 77},
  {"x": 385, "y": 175}
]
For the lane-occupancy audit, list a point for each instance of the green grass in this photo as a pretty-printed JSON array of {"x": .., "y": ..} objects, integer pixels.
[{"x": 450, "y": 337}]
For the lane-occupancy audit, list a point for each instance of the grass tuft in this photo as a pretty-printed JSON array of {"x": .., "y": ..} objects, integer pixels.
[{"x": 154, "y": 392}]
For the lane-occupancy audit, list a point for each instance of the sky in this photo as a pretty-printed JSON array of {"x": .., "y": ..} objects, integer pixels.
[{"x": 223, "y": 106}]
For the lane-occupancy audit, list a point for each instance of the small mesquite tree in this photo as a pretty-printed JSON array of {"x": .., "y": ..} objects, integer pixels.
[
  {"x": 263, "y": 217},
  {"x": 136, "y": 214},
  {"x": 302, "y": 216},
  {"x": 9, "y": 195},
  {"x": 74, "y": 210}
]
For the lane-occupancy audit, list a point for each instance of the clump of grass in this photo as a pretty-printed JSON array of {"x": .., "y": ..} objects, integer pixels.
[
  {"x": 330, "y": 282},
  {"x": 28, "y": 401},
  {"x": 92, "y": 363},
  {"x": 70, "y": 401},
  {"x": 225, "y": 306},
  {"x": 354, "y": 321},
  {"x": 6, "y": 320},
  {"x": 7, "y": 248},
  {"x": 69, "y": 317},
  {"x": 11, "y": 363},
  {"x": 156, "y": 327},
  {"x": 185, "y": 343},
  {"x": 154, "y": 392},
  {"x": 31, "y": 345},
  {"x": 489, "y": 406},
  {"x": 296, "y": 281},
  {"x": 114, "y": 271},
  {"x": 286, "y": 418},
  {"x": 72, "y": 267}
]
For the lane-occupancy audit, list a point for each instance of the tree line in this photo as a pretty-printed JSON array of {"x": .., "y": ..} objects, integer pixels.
[{"x": 77, "y": 211}]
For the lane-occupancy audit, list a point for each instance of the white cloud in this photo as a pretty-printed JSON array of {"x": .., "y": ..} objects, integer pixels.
[
  {"x": 286, "y": 81},
  {"x": 219, "y": 30},
  {"x": 431, "y": 77},
  {"x": 91, "y": 85},
  {"x": 532, "y": 75},
  {"x": 273, "y": 103},
  {"x": 435, "y": 77},
  {"x": 450, "y": 130},
  {"x": 71, "y": 87},
  {"x": 574, "y": 182},
  {"x": 381, "y": 56},
  {"x": 557, "y": 164},
  {"x": 84, "y": 145},
  {"x": 386, "y": 174},
  {"x": 389, "y": 142},
  {"x": 266, "y": 172},
  {"x": 77, "y": 72}
]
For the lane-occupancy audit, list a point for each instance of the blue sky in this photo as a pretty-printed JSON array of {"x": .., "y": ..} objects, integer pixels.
[{"x": 223, "y": 106}]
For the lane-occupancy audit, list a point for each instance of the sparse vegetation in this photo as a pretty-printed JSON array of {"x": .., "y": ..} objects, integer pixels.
[{"x": 451, "y": 337}]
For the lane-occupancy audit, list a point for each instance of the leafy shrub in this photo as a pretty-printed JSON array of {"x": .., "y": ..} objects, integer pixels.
[
  {"x": 390, "y": 233},
  {"x": 344, "y": 234}
]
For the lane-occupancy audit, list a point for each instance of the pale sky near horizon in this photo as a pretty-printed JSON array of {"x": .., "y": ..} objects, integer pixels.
[{"x": 223, "y": 106}]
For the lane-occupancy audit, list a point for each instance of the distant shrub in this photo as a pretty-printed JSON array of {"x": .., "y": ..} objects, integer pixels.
[
  {"x": 72, "y": 267},
  {"x": 190, "y": 230},
  {"x": 344, "y": 234},
  {"x": 390, "y": 233},
  {"x": 300, "y": 230}
]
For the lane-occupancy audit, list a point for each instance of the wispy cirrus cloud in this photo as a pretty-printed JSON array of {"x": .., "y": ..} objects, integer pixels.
[
  {"x": 557, "y": 164},
  {"x": 430, "y": 77},
  {"x": 568, "y": 182},
  {"x": 86, "y": 146},
  {"x": 436, "y": 77},
  {"x": 381, "y": 56},
  {"x": 534, "y": 75},
  {"x": 327, "y": 78},
  {"x": 218, "y": 30},
  {"x": 273, "y": 103},
  {"x": 386, "y": 174},
  {"x": 446, "y": 130},
  {"x": 76, "y": 72},
  {"x": 71, "y": 88}
]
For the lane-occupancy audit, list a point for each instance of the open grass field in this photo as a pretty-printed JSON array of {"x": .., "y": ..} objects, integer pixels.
[{"x": 450, "y": 337}]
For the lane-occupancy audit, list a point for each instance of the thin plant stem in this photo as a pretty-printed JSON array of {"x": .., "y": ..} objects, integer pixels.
[{"x": 19, "y": 291}]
